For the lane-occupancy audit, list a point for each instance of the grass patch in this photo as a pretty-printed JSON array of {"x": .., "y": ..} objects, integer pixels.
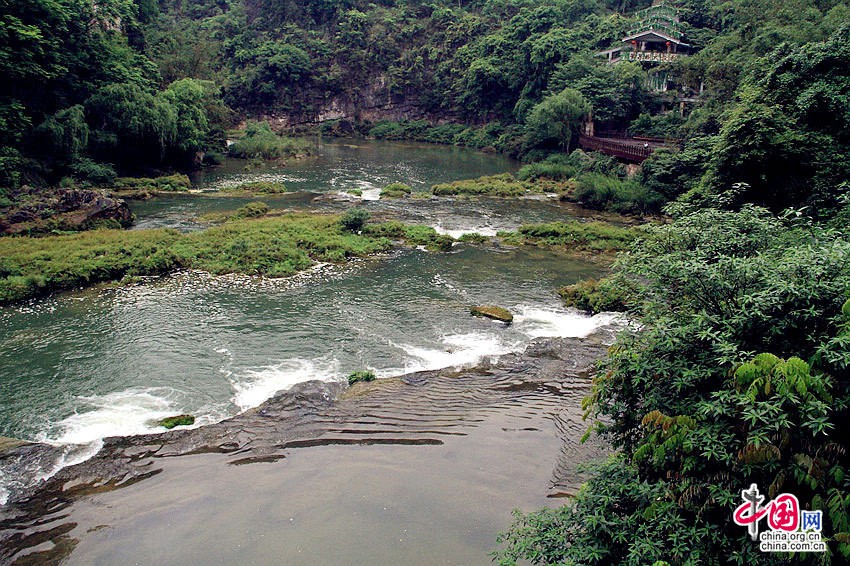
[
  {"x": 261, "y": 187},
  {"x": 260, "y": 141},
  {"x": 412, "y": 235},
  {"x": 580, "y": 236},
  {"x": 274, "y": 246},
  {"x": 395, "y": 190},
  {"x": 503, "y": 185}
]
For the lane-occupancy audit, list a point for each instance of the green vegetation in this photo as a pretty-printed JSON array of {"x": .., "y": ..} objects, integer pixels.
[
  {"x": 179, "y": 420},
  {"x": 260, "y": 141},
  {"x": 252, "y": 210},
  {"x": 274, "y": 247},
  {"x": 740, "y": 374},
  {"x": 354, "y": 219},
  {"x": 415, "y": 235},
  {"x": 603, "y": 295},
  {"x": 493, "y": 312},
  {"x": 605, "y": 192},
  {"x": 169, "y": 183},
  {"x": 557, "y": 119},
  {"x": 503, "y": 185},
  {"x": 363, "y": 375},
  {"x": 473, "y": 238},
  {"x": 395, "y": 190},
  {"x": 261, "y": 187},
  {"x": 579, "y": 236}
]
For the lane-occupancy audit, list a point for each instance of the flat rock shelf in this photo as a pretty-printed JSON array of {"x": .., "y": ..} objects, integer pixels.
[{"x": 421, "y": 469}]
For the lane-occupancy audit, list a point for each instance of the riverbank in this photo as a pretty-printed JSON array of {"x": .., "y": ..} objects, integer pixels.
[{"x": 446, "y": 422}]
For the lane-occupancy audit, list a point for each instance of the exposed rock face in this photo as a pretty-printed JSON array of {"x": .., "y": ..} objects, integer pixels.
[
  {"x": 65, "y": 209},
  {"x": 372, "y": 103}
]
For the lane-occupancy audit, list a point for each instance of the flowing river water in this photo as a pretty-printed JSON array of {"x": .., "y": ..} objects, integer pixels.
[{"x": 110, "y": 361}]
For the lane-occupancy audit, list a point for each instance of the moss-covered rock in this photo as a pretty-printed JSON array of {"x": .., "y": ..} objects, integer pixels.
[
  {"x": 493, "y": 312},
  {"x": 177, "y": 420},
  {"x": 364, "y": 375},
  {"x": 594, "y": 296},
  {"x": 395, "y": 190},
  {"x": 252, "y": 210}
]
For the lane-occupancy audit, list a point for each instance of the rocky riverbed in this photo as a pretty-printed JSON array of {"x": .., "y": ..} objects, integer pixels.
[{"x": 531, "y": 397}]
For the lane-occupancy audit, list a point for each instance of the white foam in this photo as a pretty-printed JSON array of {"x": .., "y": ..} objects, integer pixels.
[
  {"x": 487, "y": 231},
  {"x": 460, "y": 350},
  {"x": 252, "y": 387},
  {"x": 536, "y": 322},
  {"x": 123, "y": 413},
  {"x": 371, "y": 194}
]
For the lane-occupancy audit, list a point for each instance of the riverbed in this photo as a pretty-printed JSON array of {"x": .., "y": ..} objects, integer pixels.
[{"x": 111, "y": 360}]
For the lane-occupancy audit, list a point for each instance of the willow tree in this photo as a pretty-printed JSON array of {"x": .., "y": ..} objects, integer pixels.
[{"x": 557, "y": 119}]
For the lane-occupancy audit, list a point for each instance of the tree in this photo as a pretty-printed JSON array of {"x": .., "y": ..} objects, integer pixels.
[
  {"x": 740, "y": 375},
  {"x": 557, "y": 119}
]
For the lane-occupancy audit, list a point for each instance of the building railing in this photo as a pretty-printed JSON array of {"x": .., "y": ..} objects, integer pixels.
[{"x": 653, "y": 56}]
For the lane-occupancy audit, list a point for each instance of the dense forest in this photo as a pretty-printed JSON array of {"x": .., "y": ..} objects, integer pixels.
[
  {"x": 127, "y": 86},
  {"x": 742, "y": 371}
]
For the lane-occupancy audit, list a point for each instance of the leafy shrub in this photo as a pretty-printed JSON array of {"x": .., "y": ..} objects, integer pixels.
[
  {"x": 363, "y": 375},
  {"x": 668, "y": 125},
  {"x": 602, "y": 192},
  {"x": 698, "y": 413},
  {"x": 261, "y": 142},
  {"x": 252, "y": 210},
  {"x": 171, "y": 183},
  {"x": 87, "y": 171},
  {"x": 213, "y": 158},
  {"x": 354, "y": 219}
]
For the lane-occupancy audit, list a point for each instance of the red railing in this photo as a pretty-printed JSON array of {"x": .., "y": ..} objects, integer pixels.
[{"x": 623, "y": 150}]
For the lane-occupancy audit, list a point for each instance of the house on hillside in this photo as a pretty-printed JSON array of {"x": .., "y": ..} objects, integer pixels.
[{"x": 656, "y": 38}]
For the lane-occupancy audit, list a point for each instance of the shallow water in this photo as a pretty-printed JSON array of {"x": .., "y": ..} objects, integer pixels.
[
  {"x": 320, "y": 184},
  {"x": 111, "y": 361},
  {"x": 104, "y": 362}
]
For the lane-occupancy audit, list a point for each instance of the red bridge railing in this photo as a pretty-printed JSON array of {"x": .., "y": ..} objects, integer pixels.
[{"x": 623, "y": 150}]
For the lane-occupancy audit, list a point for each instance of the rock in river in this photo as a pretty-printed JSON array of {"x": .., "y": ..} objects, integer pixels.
[{"x": 493, "y": 312}]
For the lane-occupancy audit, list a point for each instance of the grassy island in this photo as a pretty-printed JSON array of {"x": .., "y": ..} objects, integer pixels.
[{"x": 275, "y": 246}]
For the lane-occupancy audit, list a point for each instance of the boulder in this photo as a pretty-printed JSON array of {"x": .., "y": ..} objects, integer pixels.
[
  {"x": 494, "y": 313},
  {"x": 43, "y": 211}
]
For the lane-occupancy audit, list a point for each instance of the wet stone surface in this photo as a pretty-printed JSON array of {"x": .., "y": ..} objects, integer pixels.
[{"x": 546, "y": 383}]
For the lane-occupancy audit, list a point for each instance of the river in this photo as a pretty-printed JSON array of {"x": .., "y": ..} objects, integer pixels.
[{"x": 109, "y": 361}]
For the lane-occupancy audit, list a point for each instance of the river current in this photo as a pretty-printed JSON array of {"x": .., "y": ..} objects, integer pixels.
[{"x": 112, "y": 360}]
